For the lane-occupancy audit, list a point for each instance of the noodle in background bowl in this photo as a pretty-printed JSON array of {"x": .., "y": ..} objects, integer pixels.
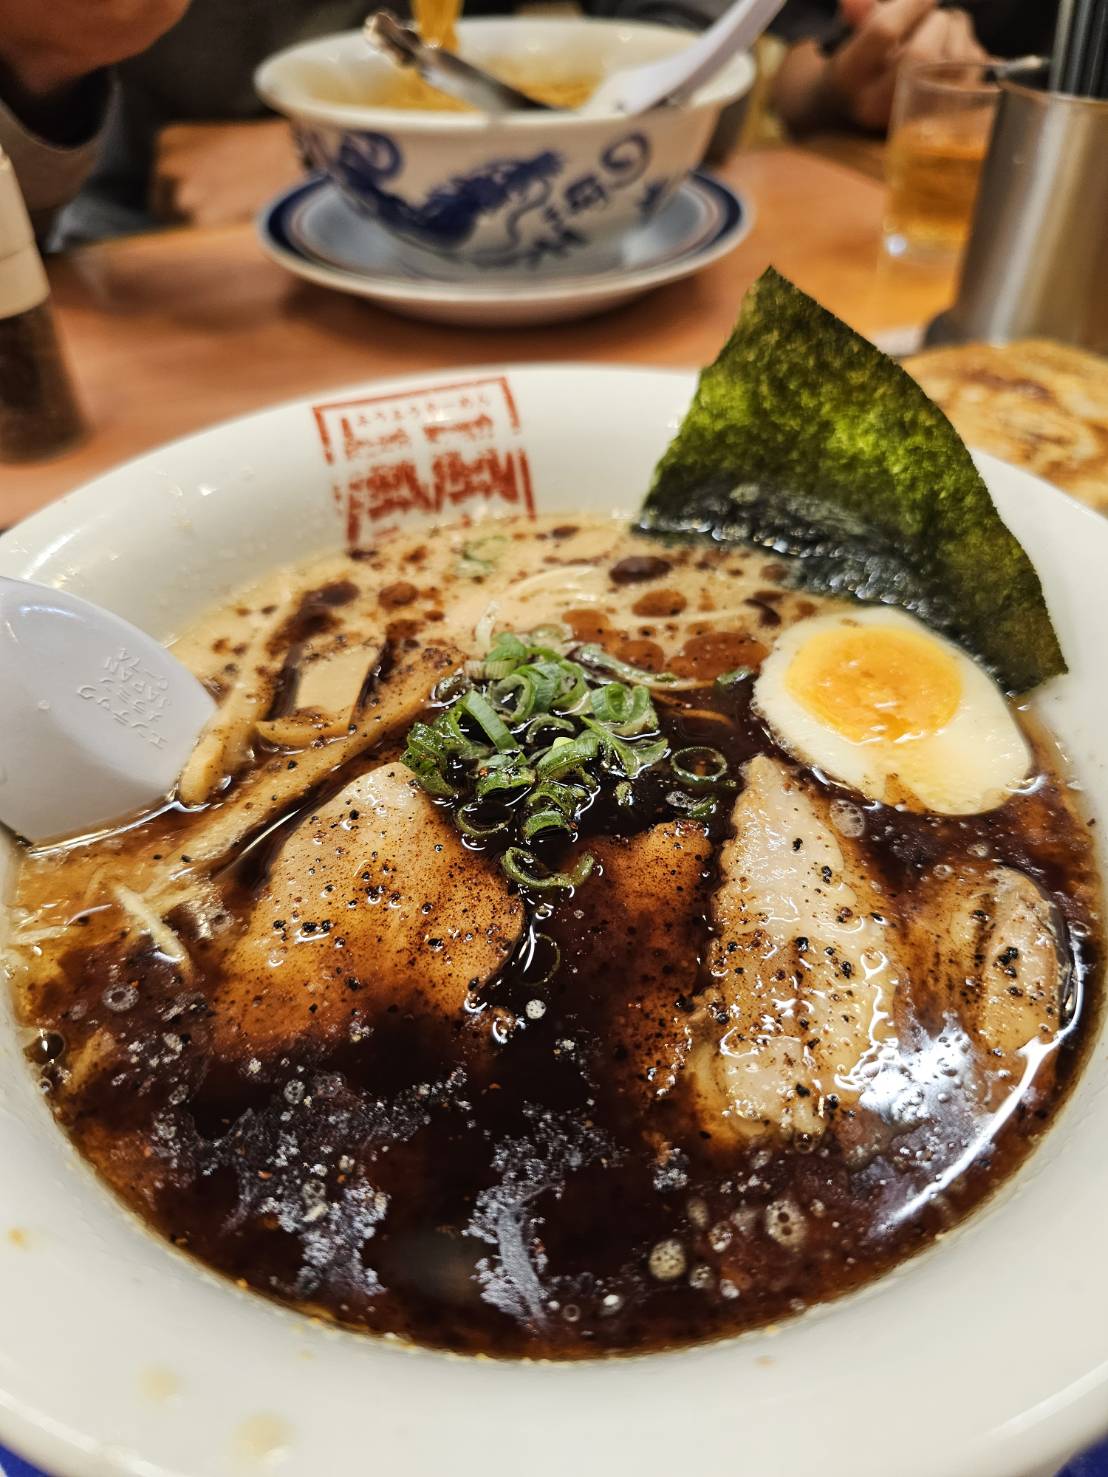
[
  {"x": 516, "y": 192},
  {"x": 983, "y": 1357}
]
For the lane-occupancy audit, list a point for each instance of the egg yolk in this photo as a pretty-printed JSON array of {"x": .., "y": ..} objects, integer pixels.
[{"x": 875, "y": 683}]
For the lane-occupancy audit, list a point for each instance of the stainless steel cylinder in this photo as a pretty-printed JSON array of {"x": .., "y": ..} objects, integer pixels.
[{"x": 1037, "y": 260}]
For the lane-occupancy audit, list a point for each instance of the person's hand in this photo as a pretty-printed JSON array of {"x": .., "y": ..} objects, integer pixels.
[
  {"x": 46, "y": 46},
  {"x": 861, "y": 75},
  {"x": 856, "y": 83},
  {"x": 217, "y": 174}
]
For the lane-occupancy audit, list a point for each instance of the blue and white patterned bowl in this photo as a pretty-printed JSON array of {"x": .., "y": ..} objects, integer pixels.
[{"x": 515, "y": 190}]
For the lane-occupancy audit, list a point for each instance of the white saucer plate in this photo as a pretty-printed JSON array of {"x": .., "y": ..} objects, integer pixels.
[{"x": 315, "y": 233}]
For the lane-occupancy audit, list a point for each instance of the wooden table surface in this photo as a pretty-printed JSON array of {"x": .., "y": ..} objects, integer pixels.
[{"x": 170, "y": 332}]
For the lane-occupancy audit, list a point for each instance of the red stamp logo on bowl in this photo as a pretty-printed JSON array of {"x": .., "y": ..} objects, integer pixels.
[{"x": 427, "y": 451}]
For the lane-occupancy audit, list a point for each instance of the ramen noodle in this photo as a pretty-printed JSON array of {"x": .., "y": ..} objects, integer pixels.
[
  {"x": 436, "y": 21},
  {"x": 566, "y": 943}
]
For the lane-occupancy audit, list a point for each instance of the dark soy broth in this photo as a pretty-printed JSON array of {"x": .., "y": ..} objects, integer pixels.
[{"x": 519, "y": 1177}]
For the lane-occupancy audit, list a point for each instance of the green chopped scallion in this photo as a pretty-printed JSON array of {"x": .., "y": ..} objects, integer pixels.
[
  {"x": 527, "y": 739},
  {"x": 483, "y": 713},
  {"x": 595, "y": 656},
  {"x": 525, "y": 871},
  {"x": 699, "y": 766}
]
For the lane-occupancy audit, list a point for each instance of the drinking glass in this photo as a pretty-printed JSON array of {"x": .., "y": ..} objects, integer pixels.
[{"x": 942, "y": 117}]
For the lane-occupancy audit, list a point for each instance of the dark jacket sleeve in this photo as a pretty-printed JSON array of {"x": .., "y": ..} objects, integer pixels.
[{"x": 50, "y": 173}]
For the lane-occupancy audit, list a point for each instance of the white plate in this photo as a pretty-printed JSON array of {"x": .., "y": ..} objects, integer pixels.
[
  {"x": 313, "y": 231},
  {"x": 984, "y": 1357}
]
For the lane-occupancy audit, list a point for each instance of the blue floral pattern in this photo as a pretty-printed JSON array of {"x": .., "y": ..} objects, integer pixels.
[
  {"x": 536, "y": 212},
  {"x": 654, "y": 195}
]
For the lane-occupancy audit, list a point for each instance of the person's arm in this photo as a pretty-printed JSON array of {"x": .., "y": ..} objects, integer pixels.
[
  {"x": 52, "y": 143},
  {"x": 854, "y": 85},
  {"x": 54, "y": 86}
]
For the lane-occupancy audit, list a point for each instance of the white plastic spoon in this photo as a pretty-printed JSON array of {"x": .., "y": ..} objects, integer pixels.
[
  {"x": 97, "y": 720},
  {"x": 636, "y": 90}
]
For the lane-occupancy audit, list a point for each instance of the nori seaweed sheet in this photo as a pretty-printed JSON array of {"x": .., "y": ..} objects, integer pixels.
[{"x": 805, "y": 439}]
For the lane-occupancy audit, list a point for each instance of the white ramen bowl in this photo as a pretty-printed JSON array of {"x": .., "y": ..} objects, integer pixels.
[
  {"x": 983, "y": 1357},
  {"x": 516, "y": 191}
]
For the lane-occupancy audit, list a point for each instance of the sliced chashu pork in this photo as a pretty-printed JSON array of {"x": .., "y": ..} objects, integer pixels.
[
  {"x": 643, "y": 909},
  {"x": 987, "y": 952},
  {"x": 807, "y": 963},
  {"x": 372, "y": 899}
]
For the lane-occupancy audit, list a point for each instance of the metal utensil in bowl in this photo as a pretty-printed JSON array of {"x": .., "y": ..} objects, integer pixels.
[
  {"x": 631, "y": 90},
  {"x": 445, "y": 70}
]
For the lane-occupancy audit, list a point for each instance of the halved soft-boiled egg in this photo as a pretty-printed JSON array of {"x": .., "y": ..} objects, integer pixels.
[{"x": 877, "y": 701}]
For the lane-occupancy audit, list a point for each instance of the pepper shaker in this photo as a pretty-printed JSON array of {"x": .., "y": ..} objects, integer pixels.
[{"x": 39, "y": 414}]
